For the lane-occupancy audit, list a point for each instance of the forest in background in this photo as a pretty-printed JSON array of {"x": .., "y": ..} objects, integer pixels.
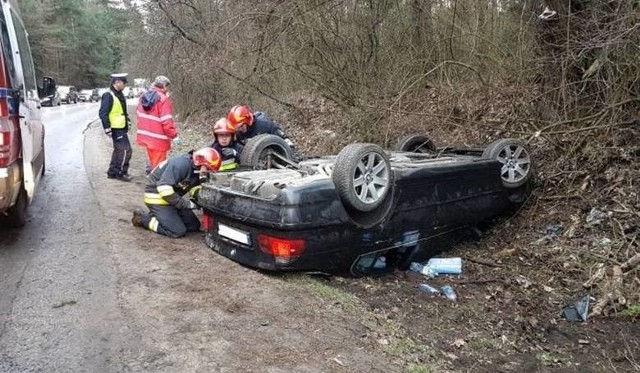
[
  {"x": 562, "y": 75},
  {"x": 78, "y": 42}
]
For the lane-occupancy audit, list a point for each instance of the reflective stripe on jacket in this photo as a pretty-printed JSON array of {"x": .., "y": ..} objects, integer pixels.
[
  {"x": 155, "y": 126},
  {"x": 170, "y": 180},
  {"x": 117, "y": 119}
]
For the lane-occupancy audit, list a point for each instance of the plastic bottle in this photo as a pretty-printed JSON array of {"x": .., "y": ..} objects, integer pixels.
[
  {"x": 446, "y": 266},
  {"x": 428, "y": 289},
  {"x": 448, "y": 292},
  {"x": 423, "y": 269}
]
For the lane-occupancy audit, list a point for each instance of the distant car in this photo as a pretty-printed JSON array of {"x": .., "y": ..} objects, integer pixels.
[
  {"x": 51, "y": 100},
  {"x": 95, "y": 95},
  {"x": 344, "y": 213},
  {"x": 85, "y": 95},
  {"x": 68, "y": 94}
]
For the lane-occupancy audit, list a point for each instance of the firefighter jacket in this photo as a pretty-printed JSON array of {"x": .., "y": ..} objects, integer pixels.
[
  {"x": 155, "y": 123},
  {"x": 230, "y": 155},
  {"x": 261, "y": 125},
  {"x": 170, "y": 180},
  {"x": 113, "y": 110}
]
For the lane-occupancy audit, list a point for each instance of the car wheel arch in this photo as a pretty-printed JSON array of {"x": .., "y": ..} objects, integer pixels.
[
  {"x": 415, "y": 143},
  {"x": 253, "y": 152}
]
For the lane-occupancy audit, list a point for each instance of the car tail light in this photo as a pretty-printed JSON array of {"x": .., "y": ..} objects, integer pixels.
[
  {"x": 283, "y": 249},
  {"x": 207, "y": 222},
  {"x": 6, "y": 138}
]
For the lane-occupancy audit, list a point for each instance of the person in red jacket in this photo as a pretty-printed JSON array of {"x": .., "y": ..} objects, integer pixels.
[{"x": 156, "y": 129}]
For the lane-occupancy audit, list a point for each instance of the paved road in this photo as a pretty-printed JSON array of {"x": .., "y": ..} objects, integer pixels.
[{"x": 58, "y": 308}]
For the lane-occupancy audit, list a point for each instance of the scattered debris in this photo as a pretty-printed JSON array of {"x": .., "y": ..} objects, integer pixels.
[
  {"x": 553, "y": 229},
  {"x": 428, "y": 289},
  {"x": 335, "y": 359},
  {"x": 547, "y": 15},
  {"x": 596, "y": 217},
  {"x": 458, "y": 343},
  {"x": 64, "y": 303},
  {"x": 583, "y": 342},
  {"x": 448, "y": 292},
  {"x": 523, "y": 281},
  {"x": 446, "y": 266},
  {"x": 438, "y": 266},
  {"x": 604, "y": 242},
  {"x": 578, "y": 311}
]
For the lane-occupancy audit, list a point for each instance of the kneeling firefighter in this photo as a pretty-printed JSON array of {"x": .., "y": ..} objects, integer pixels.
[{"x": 170, "y": 214}]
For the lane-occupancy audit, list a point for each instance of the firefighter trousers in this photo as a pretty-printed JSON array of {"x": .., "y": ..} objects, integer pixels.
[{"x": 169, "y": 221}]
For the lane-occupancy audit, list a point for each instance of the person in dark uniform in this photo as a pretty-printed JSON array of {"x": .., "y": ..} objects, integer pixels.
[
  {"x": 169, "y": 213},
  {"x": 224, "y": 143},
  {"x": 115, "y": 122}
]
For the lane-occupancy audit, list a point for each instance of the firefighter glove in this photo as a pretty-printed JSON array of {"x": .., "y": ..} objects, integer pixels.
[
  {"x": 177, "y": 141},
  {"x": 107, "y": 131},
  {"x": 229, "y": 152}
]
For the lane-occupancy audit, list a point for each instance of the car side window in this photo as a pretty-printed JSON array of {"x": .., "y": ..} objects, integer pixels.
[
  {"x": 6, "y": 47},
  {"x": 25, "y": 56}
]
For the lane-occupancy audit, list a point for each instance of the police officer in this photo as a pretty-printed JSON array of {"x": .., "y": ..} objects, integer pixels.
[
  {"x": 115, "y": 121},
  {"x": 170, "y": 214},
  {"x": 224, "y": 143}
]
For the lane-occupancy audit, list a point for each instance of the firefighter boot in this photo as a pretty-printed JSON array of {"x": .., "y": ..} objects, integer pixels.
[{"x": 136, "y": 220}]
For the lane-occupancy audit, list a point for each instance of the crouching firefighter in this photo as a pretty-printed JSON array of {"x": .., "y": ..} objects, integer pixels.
[{"x": 169, "y": 213}]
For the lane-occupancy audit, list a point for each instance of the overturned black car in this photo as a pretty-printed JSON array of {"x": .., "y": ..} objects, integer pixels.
[{"x": 341, "y": 213}]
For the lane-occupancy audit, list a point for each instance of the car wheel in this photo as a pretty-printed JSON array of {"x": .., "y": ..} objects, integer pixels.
[
  {"x": 515, "y": 158},
  {"x": 415, "y": 144},
  {"x": 265, "y": 151},
  {"x": 362, "y": 175},
  {"x": 18, "y": 213}
]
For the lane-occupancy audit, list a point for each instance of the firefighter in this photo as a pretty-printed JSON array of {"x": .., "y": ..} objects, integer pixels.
[
  {"x": 115, "y": 122},
  {"x": 224, "y": 143},
  {"x": 248, "y": 124},
  {"x": 169, "y": 213},
  {"x": 156, "y": 130}
]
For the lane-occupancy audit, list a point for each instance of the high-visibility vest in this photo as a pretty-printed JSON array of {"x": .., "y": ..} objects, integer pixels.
[{"x": 117, "y": 120}]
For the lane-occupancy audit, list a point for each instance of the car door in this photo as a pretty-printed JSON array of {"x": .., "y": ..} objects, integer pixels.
[{"x": 26, "y": 94}]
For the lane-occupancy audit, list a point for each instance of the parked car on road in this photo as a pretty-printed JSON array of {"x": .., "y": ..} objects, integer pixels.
[
  {"x": 341, "y": 213},
  {"x": 22, "y": 156},
  {"x": 85, "y": 95},
  {"x": 68, "y": 94}
]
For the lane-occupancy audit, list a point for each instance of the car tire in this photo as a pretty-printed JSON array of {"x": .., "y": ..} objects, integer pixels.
[
  {"x": 17, "y": 214},
  {"x": 517, "y": 168},
  {"x": 415, "y": 144},
  {"x": 258, "y": 148},
  {"x": 363, "y": 176}
]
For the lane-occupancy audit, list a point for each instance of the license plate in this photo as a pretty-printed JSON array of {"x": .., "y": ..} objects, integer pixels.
[{"x": 234, "y": 234}]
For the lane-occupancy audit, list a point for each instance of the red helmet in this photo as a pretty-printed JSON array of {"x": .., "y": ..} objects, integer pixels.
[
  {"x": 207, "y": 157},
  {"x": 223, "y": 127},
  {"x": 239, "y": 115}
]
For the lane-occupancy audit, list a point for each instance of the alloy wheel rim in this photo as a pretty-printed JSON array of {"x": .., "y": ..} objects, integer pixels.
[
  {"x": 516, "y": 163},
  {"x": 371, "y": 178}
]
